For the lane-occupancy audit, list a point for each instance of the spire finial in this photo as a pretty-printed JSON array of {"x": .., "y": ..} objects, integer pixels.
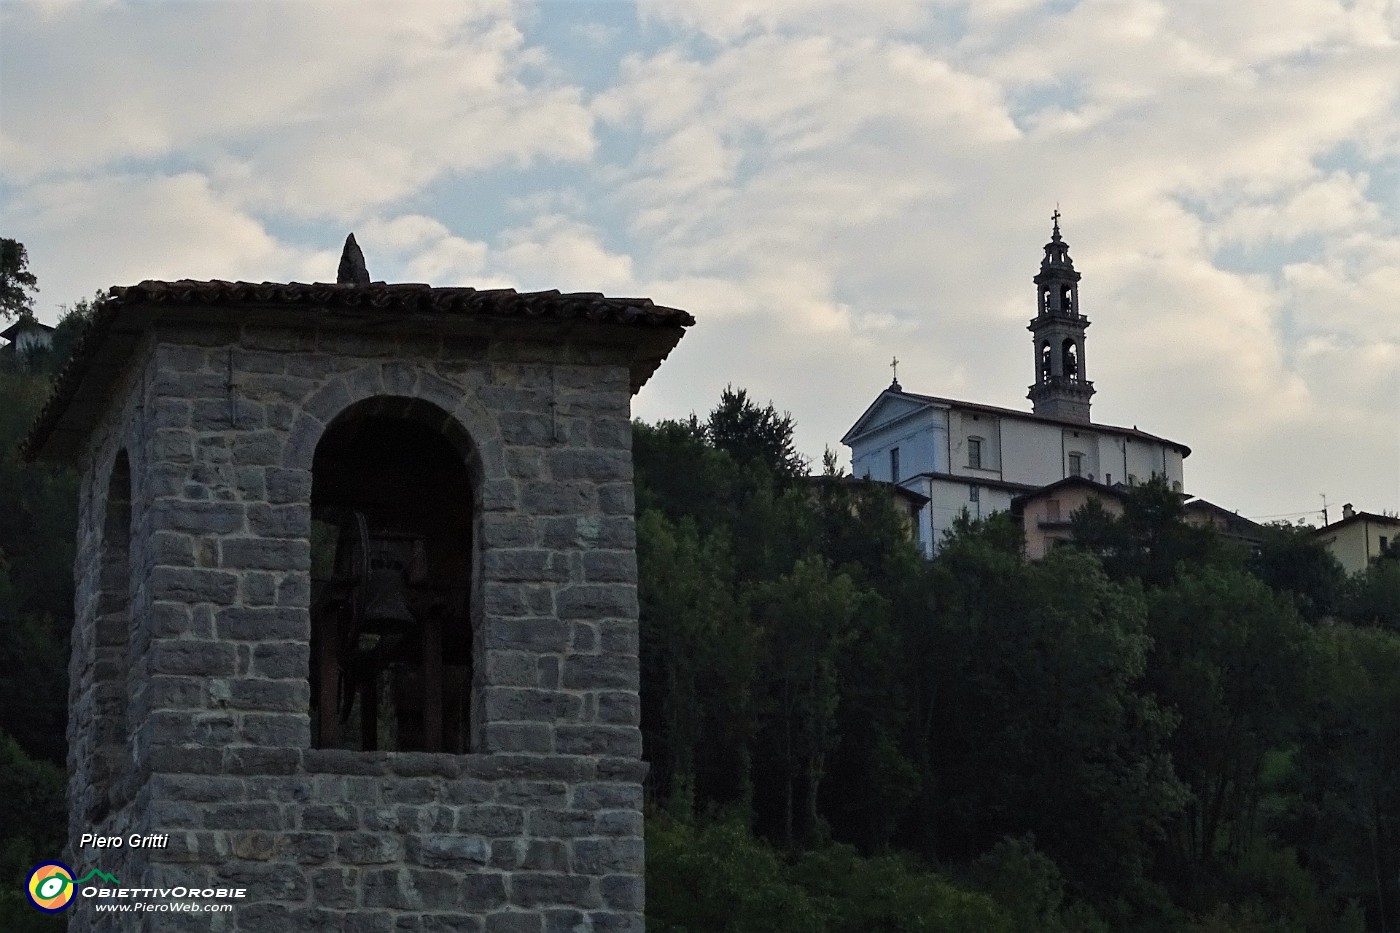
[
  {"x": 894, "y": 369},
  {"x": 352, "y": 265},
  {"x": 1055, "y": 234}
]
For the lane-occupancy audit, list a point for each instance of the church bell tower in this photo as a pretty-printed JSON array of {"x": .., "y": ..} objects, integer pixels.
[{"x": 1062, "y": 389}]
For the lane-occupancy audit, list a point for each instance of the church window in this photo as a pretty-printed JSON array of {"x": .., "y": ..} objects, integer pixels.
[
  {"x": 974, "y": 453},
  {"x": 894, "y": 464},
  {"x": 974, "y": 494},
  {"x": 1045, "y": 369},
  {"x": 1066, "y": 300},
  {"x": 395, "y": 503},
  {"x": 1076, "y": 464}
]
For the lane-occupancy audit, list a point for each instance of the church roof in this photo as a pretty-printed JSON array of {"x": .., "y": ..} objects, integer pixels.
[
  {"x": 859, "y": 427},
  {"x": 130, "y": 310}
]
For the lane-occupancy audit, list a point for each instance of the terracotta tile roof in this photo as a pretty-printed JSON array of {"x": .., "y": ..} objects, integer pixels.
[
  {"x": 332, "y": 303},
  {"x": 407, "y": 299}
]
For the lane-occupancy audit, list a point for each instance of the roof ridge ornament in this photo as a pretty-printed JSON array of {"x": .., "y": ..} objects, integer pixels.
[{"x": 352, "y": 264}]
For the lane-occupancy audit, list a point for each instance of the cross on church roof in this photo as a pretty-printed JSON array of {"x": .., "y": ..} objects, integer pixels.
[
  {"x": 1056, "y": 218},
  {"x": 894, "y": 368}
]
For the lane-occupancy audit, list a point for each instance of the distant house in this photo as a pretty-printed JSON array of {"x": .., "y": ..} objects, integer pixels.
[
  {"x": 1046, "y": 512},
  {"x": 1359, "y": 537},
  {"x": 907, "y": 502},
  {"x": 1229, "y": 525},
  {"x": 23, "y": 337}
]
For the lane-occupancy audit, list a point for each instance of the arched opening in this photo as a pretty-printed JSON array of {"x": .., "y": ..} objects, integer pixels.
[
  {"x": 1067, "y": 299},
  {"x": 112, "y": 639},
  {"x": 394, "y": 508},
  {"x": 1045, "y": 362},
  {"x": 1071, "y": 360}
]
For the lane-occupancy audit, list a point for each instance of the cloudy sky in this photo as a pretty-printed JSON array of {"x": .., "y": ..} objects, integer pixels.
[{"x": 824, "y": 184}]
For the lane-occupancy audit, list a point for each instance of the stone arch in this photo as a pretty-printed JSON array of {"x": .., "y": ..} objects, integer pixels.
[
  {"x": 396, "y": 506},
  {"x": 111, "y": 639},
  {"x": 393, "y": 383}
]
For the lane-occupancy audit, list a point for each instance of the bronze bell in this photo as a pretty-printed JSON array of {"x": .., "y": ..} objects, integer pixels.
[{"x": 386, "y": 600}]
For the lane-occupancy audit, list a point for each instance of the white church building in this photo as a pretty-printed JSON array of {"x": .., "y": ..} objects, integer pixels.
[{"x": 975, "y": 457}]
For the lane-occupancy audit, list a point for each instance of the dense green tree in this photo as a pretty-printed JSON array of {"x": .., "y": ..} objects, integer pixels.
[
  {"x": 679, "y": 473},
  {"x": 17, "y": 283},
  {"x": 751, "y": 434},
  {"x": 1230, "y": 659},
  {"x": 717, "y": 878},
  {"x": 38, "y": 513},
  {"x": 1042, "y": 723},
  {"x": 1290, "y": 559},
  {"x": 698, "y": 655},
  {"x": 1345, "y": 816},
  {"x": 1150, "y": 540},
  {"x": 33, "y": 824},
  {"x": 1372, "y": 597},
  {"x": 807, "y": 620}
]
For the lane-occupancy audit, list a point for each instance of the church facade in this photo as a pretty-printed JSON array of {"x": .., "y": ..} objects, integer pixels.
[{"x": 967, "y": 456}]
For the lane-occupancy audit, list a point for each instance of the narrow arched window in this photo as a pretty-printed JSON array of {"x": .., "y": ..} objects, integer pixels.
[
  {"x": 1071, "y": 360},
  {"x": 1045, "y": 362},
  {"x": 394, "y": 505}
]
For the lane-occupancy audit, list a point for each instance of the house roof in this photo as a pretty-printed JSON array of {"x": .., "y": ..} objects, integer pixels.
[
  {"x": 1009, "y": 413},
  {"x": 128, "y": 311},
  {"x": 24, "y": 323},
  {"x": 917, "y": 498},
  {"x": 1356, "y": 518},
  {"x": 1234, "y": 519},
  {"x": 1078, "y": 482}
]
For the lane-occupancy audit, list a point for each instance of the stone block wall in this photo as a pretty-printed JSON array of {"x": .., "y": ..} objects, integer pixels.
[{"x": 539, "y": 828}]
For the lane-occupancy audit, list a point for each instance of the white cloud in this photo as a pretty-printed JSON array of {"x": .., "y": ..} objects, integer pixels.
[
  {"x": 872, "y": 197},
  {"x": 87, "y": 234},
  {"x": 728, "y": 20},
  {"x": 824, "y": 183},
  {"x": 309, "y": 109}
]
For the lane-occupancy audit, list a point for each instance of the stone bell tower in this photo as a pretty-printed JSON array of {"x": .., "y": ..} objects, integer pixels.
[
  {"x": 1062, "y": 388},
  {"x": 356, "y": 621}
]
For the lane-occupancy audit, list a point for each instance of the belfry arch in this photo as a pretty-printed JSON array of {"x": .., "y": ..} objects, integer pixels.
[{"x": 395, "y": 590}]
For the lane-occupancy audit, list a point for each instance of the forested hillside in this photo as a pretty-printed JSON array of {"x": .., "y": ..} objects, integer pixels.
[{"x": 1152, "y": 731}]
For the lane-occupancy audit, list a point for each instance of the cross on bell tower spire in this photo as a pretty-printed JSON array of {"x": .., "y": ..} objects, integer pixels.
[{"x": 1062, "y": 389}]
